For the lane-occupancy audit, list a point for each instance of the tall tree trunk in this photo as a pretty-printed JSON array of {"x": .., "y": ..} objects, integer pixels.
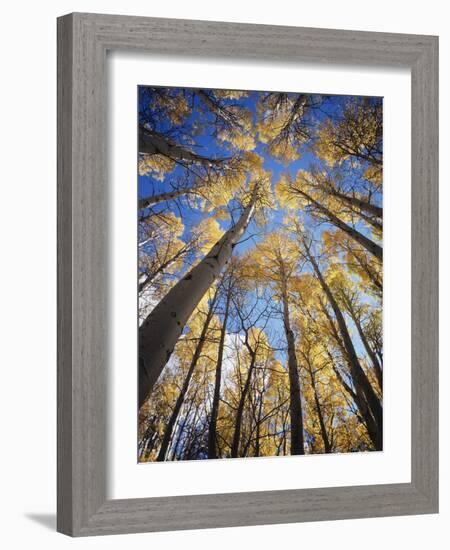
[
  {"x": 367, "y": 269},
  {"x": 364, "y": 415},
  {"x": 160, "y": 331},
  {"x": 370, "y": 352},
  {"x": 179, "y": 434},
  {"x": 180, "y": 400},
  {"x": 359, "y": 203},
  {"x": 323, "y": 430},
  {"x": 355, "y": 152},
  {"x": 223, "y": 113},
  {"x": 357, "y": 395},
  {"x": 370, "y": 220},
  {"x": 364, "y": 241},
  {"x": 362, "y": 384},
  {"x": 145, "y": 202},
  {"x": 344, "y": 384},
  {"x": 153, "y": 143},
  {"x": 295, "y": 407},
  {"x": 258, "y": 424},
  {"x": 240, "y": 409},
  {"x": 212, "y": 436}
]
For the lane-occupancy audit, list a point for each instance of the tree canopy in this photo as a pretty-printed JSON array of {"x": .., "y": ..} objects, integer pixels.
[{"x": 260, "y": 273}]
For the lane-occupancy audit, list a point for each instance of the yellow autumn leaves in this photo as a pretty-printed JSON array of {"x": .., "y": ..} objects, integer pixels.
[{"x": 300, "y": 292}]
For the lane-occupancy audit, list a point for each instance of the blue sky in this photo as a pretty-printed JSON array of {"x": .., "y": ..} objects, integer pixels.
[{"x": 206, "y": 145}]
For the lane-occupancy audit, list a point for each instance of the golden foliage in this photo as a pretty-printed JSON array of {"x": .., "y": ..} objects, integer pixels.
[
  {"x": 209, "y": 232},
  {"x": 273, "y": 280},
  {"x": 157, "y": 166},
  {"x": 176, "y": 107}
]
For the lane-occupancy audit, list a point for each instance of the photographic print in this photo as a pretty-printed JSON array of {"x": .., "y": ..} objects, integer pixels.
[{"x": 259, "y": 220}]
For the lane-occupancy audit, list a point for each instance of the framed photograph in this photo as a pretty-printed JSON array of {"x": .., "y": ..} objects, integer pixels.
[{"x": 247, "y": 235}]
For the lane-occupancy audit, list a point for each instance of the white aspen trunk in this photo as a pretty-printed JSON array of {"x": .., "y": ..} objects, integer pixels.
[
  {"x": 181, "y": 397},
  {"x": 159, "y": 333},
  {"x": 212, "y": 432},
  {"x": 295, "y": 407},
  {"x": 368, "y": 244},
  {"x": 240, "y": 409},
  {"x": 152, "y": 143},
  {"x": 323, "y": 430},
  {"x": 362, "y": 384},
  {"x": 363, "y": 205},
  {"x": 370, "y": 352},
  {"x": 155, "y": 199},
  {"x": 226, "y": 116}
]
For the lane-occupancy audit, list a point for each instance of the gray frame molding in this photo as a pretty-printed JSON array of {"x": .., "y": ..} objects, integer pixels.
[{"x": 83, "y": 40}]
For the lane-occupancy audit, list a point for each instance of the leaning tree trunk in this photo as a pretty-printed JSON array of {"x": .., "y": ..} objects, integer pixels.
[
  {"x": 364, "y": 241},
  {"x": 180, "y": 400},
  {"x": 212, "y": 437},
  {"x": 359, "y": 376},
  {"x": 153, "y": 143},
  {"x": 161, "y": 330},
  {"x": 223, "y": 113},
  {"x": 357, "y": 395},
  {"x": 295, "y": 407},
  {"x": 364, "y": 265},
  {"x": 377, "y": 225},
  {"x": 145, "y": 202},
  {"x": 359, "y": 203},
  {"x": 370, "y": 352}
]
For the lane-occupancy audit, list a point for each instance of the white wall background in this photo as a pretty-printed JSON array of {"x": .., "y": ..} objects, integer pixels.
[{"x": 28, "y": 256}]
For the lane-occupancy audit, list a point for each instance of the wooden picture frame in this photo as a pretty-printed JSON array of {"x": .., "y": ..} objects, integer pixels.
[{"x": 83, "y": 41}]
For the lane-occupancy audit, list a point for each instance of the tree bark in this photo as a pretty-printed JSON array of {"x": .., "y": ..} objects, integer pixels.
[
  {"x": 153, "y": 143},
  {"x": 160, "y": 331},
  {"x": 180, "y": 400},
  {"x": 370, "y": 352},
  {"x": 367, "y": 269},
  {"x": 295, "y": 407},
  {"x": 258, "y": 424},
  {"x": 359, "y": 203},
  {"x": 360, "y": 380},
  {"x": 212, "y": 437},
  {"x": 357, "y": 395},
  {"x": 228, "y": 117},
  {"x": 240, "y": 409},
  {"x": 155, "y": 199},
  {"x": 346, "y": 387},
  {"x": 377, "y": 225},
  {"x": 364, "y": 241},
  {"x": 323, "y": 429}
]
